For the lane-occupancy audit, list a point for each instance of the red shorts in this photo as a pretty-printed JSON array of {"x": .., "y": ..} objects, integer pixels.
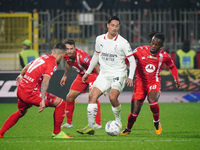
[
  {"x": 141, "y": 90},
  {"x": 79, "y": 85},
  {"x": 26, "y": 100}
]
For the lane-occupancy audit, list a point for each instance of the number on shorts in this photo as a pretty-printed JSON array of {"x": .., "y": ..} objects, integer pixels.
[{"x": 153, "y": 87}]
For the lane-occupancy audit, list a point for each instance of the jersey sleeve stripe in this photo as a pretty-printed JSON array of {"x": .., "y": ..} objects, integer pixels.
[{"x": 129, "y": 55}]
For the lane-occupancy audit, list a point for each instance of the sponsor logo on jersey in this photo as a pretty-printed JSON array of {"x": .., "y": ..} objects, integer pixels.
[
  {"x": 108, "y": 56},
  {"x": 86, "y": 59},
  {"x": 28, "y": 78},
  {"x": 152, "y": 57},
  {"x": 150, "y": 68}
]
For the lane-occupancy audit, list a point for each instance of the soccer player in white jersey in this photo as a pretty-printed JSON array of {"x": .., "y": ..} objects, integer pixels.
[{"x": 111, "y": 49}]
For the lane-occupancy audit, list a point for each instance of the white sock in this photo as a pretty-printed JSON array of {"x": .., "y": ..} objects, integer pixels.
[
  {"x": 117, "y": 113},
  {"x": 91, "y": 113}
]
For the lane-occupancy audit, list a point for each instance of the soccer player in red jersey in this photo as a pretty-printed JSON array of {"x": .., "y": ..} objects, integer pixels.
[
  {"x": 79, "y": 60},
  {"x": 33, "y": 83},
  {"x": 149, "y": 59}
]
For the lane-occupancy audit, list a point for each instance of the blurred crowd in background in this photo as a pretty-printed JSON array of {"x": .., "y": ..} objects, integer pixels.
[{"x": 12, "y": 6}]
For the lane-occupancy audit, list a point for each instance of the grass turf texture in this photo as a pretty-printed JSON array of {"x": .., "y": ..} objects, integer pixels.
[{"x": 180, "y": 123}]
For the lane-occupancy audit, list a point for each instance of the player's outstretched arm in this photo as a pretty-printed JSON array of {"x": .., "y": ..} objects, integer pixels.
[
  {"x": 129, "y": 80},
  {"x": 93, "y": 62},
  {"x": 64, "y": 78},
  {"x": 174, "y": 72}
]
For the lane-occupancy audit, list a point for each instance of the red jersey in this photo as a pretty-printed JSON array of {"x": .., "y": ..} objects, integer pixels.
[
  {"x": 149, "y": 65},
  {"x": 81, "y": 62},
  {"x": 43, "y": 65}
]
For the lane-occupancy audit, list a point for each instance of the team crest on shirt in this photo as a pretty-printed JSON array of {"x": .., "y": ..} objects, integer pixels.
[
  {"x": 135, "y": 50},
  {"x": 150, "y": 68},
  {"x": 86, "y": 59},
  {"x": 54, "y": 69}
]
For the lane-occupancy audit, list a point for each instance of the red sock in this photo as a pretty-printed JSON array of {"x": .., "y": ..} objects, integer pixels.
[
  {"x": 69, "y": 111},
  {"x": 155, "y": 110},
  {"x": 131, "y": 119},
  {"x": 59, "y": 114},
  {"x": 98, "y": 116},
  {"x": 12, "y": 120}
]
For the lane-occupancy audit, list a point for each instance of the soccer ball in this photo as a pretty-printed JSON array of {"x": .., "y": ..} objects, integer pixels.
[{"x": 112, "y": 128}]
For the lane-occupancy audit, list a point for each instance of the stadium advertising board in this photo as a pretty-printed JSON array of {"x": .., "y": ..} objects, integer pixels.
[{"x": 189, "y": 79}]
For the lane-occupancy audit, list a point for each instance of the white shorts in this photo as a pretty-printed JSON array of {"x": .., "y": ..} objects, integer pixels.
[{"x": 105, "y": 83}]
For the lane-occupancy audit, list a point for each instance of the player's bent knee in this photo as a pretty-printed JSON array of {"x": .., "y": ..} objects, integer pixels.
[
  {"x": 69, "y": 98},
  {"x": 22, "y": 113},
  {"x": 112, "y": 98},
  {"x": 61, "y": 103},
  {"x": 57, "y": 101}
]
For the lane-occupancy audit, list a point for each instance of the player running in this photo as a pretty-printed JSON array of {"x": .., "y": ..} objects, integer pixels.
[
  {"x": 32, "y": 90},
  {"x": 149, "y": 59},
  {"x": 111, "y": 49},
  {"x": 79, "y": 60}
]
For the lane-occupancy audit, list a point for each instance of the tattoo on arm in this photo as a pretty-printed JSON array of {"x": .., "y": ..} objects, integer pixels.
[{"x": 44, "y": 87}]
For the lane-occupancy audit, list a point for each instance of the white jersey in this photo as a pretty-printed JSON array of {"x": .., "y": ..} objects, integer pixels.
[{"x": 112, "y": 54}]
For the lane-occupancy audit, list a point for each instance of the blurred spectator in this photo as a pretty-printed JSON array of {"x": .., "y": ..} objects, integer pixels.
[
  {"x": 92, "y": 5},
  {"x": 147, "y": 5},
  {"x": 11, "y": 6},
  {"x": 186, "y": 57},
  {"x": 27, "y": 54}
]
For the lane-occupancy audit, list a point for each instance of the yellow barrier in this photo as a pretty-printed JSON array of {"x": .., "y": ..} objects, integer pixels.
[{"x": 14, "y": 29}]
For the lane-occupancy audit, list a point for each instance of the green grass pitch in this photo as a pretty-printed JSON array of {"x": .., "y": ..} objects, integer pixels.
[{"x": 180, "y": 123}]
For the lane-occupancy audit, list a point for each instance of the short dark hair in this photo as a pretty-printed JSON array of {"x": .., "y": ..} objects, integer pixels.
[
  {"x": 60, "y": 46},
  {"x": 70, "y": 42},
  {"x": 156, "y": 34},
  {"x": 113, "y": 18}
]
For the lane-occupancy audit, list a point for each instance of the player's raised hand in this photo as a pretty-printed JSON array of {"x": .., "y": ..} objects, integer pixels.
[
  {"x": 85, "y": 77},
  {"x": 129, "y": 82},
  {"x": 63, "y": 80}
]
